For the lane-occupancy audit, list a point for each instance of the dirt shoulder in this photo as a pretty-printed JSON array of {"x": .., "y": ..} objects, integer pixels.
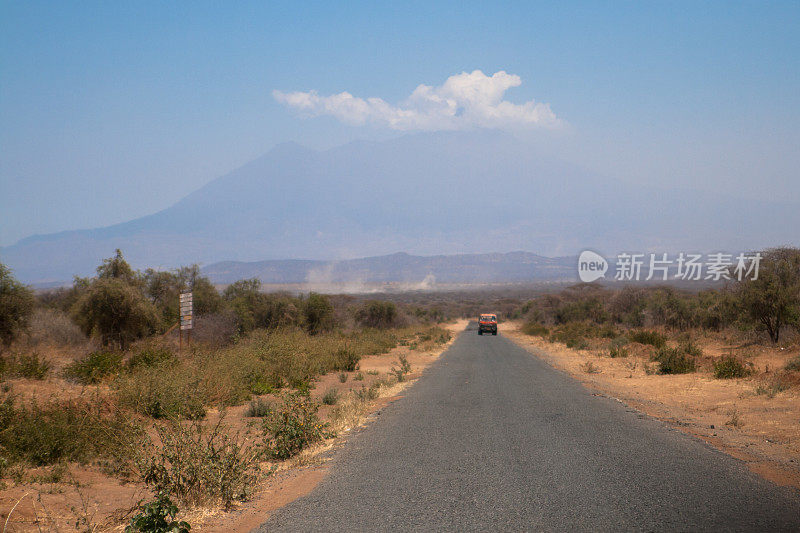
[{"x": 761, "y": 430}]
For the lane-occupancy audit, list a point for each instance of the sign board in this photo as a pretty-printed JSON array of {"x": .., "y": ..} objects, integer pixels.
[{"x": 186, "y": 310}]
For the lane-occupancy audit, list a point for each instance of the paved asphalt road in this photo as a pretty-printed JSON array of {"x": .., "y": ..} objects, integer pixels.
[{"x": 491, "y": 438}]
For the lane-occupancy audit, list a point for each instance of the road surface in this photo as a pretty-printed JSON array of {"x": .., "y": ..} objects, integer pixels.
[{"x": 492, "y": 438}]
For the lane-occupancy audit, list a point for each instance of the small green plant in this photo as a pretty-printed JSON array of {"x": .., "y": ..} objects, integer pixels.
[
  {"x": 653, "y": 338},
  {"x": 589, "y": 368},
  {"x": 674, "y": 361},
  {"x": 690, "y": 348},
  {"x": 771, "y": 387},
  {"x": 258, "y": 408},
  {"x": 403, "y": 368},
  {"x": 794, "y": 364},
  {"x": 292, "y": 426},
  {"x": 342, "y": 378},
  {"x": 151, "y": 356},
  {"x": 29, "y": 366},
  {"x": 617, "y": 351},
  {"x": 330, "y": 397},
  {"x": 157, "y": 516},
  {"x": 359, "y": 377},
  {"x": 730, "y": 367},
  {"x": 94, "y": 367}
]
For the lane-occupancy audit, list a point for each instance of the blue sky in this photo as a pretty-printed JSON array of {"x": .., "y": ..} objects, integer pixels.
[{"x": 110, "y": 111}]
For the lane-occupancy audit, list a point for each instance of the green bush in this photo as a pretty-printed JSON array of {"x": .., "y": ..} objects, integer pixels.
[
  {"x": 346, "y": 360},
  {"x": 674, "y": 361},
  {"x": 729, "y": 367},
  {"x": 794, "y": 364},
  {"x": 617, "y": 351},
  {"x": 573, "y": 335},
  {"x": 330, "y": 397},
  {"x": 653, "y": 338},
  {"x": 151, "y": 355},
  {"x": 293, "y": 426},
  {"x": 258, "y": 408},
  {"x": 157, "y": 516},
  {"x": 117, "y": 311},
  {"x": 377, "y": 314},
  {"x": 160, "y": 393},
  {"x": 49, "y": 433},
  {"x": 403, "y": 367},
  {"x": 31, "y": 366},
  {"x": 16, "y": 307},
  {"x": 318, "y": 313},
  {"x": 94, "y": 367},
  {"x": 535, "y": 329}
]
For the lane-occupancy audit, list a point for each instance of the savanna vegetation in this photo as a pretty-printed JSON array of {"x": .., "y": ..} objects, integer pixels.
[
  {"x": 664, "y": 322},
  {"x": 122, "y": 398}
]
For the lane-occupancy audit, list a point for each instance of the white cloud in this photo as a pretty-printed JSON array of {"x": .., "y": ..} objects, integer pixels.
[{"x": 464, "y": 101}]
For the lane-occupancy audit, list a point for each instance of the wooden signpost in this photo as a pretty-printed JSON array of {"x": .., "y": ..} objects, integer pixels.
[{"x": 186, "y": 318}]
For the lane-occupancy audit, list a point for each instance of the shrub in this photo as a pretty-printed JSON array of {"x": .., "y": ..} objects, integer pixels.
[
  {"x": 377, "y": 314},
  {"x": 54, "y": 327},
  {"x": 152, "y": 355},
  {"x": 359, "y": 377},
  {"x": 674, "y": 361},
  {"x": 403, "y": 367},
  {"x": 258, "y": 408},
  {"x": 342, "y": 378},
  {"x": 573, "y": 335},
  {"x": 318, "y": 313},
  {"x": 535, "y": 329},
  {"x": 16, "y": 306},
  {"x": 157, "y": 516},
  {"x": 653, "y": 338},
  {"x": 160, "y": 393},
  {"x": 117, "y": 311},
  {"x": 794, "y": 364},
  {"x": 729, "y": 367},
  {"x": 589, "y": 368},
  {"x": 771, "y": 301},
  {"x": 617, "y": 351},
  {"x": 772, "y": 386},
  {"x": 346, "y": 360},
  {"x": 330, "y": 397},
  {"x": 198, "y": 465},
  {"x": 293, "y": 426},
  {"x": 94, "y": 367},
  {"x": 44, "y": 434},
  {"x": 31, "y": 366}
]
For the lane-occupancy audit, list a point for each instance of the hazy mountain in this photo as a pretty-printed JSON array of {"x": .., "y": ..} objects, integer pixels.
[
  {"x": 443, "y": 193},
  {"x": 423, "y": 271}
]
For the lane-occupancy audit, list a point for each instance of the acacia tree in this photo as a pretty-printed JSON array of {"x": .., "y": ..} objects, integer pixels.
[
  {"x": 116, "y": 311},
  {"x": 113, "y": 304},
  {"x": 16, "y": 306},
  {"x": 773, "y": 299}
]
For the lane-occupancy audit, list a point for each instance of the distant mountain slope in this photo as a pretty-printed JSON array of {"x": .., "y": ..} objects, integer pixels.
[
  {"x": 402, "y": 267},
  {"x": 442, "y": 193}
]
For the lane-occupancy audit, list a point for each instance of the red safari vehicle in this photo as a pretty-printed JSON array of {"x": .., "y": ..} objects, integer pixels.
[{"x": 487, "y": 323}]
